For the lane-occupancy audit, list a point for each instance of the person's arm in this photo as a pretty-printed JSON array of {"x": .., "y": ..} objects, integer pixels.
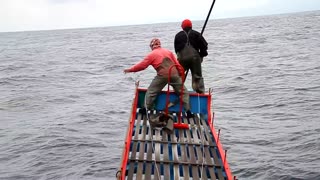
[
  {"x": 143, "y": 64},
  {"x": 176, "y": 43},
  {"x": 203, "y": 46}
]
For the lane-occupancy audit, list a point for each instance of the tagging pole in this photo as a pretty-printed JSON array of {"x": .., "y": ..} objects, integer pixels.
[{"x": 205, "y": 23}]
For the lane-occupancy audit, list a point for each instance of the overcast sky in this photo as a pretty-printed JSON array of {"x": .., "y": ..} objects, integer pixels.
[{"x": 22, "y": 15}]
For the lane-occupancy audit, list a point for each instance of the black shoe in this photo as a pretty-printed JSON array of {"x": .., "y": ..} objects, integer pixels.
[
  {"x": 189, "y": 114},
  {"x": 200, "y": 92},
  {"x": 143, "y": 111}
]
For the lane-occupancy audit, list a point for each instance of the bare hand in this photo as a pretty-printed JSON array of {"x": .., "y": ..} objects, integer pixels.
[{"x": 126, "y": 71}]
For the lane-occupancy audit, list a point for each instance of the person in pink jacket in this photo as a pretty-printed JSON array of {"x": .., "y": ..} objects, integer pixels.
[{"x": 162, "y": 60}]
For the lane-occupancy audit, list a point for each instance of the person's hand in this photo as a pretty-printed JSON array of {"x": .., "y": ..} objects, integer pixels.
[{"x": 126, "y": 71}]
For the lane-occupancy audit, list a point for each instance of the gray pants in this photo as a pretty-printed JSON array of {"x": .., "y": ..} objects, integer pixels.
[
  {"x": 159, "y": 82},
  {"x": 194, "y": 64}
]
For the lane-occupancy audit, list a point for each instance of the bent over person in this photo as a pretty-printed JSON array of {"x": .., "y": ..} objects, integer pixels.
[
  {"x": 162, "y": 59},
  {"x": 191, "y": 47}
]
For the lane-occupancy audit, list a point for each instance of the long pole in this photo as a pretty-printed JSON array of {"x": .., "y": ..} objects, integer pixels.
[
  {"x": 204, "y": 26},
  {"x": 205, "y": 23}
]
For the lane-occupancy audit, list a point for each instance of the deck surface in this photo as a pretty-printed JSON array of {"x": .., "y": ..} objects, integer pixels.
[{"x": 185, "y": 154}]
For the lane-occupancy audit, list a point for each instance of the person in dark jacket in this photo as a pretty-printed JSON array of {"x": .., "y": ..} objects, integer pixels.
[{"x": 190, "y": 47}]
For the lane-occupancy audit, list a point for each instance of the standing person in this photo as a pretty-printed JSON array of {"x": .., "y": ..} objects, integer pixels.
[
  {"x": 190, "y": 47},
  {"x": 162, "y": 59}
]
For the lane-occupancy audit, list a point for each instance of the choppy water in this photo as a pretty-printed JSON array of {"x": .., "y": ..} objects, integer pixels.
[{"x": 64, "y": 101}]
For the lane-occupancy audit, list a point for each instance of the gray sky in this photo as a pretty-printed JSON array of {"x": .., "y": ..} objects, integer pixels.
[{"x": 22, "y": 15}]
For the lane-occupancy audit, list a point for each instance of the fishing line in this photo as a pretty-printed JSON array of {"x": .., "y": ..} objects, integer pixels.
[
  {"x": 135, "y": 78},
  {"x": 201, "y": 137},
  {"x": 151, "y": 136}
]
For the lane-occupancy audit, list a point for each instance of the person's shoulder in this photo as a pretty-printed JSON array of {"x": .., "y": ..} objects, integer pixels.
[
  {"x": 151, "y": 53},
  {"x": 195, "y": 31},
  {"x": 180, "y": 32}
]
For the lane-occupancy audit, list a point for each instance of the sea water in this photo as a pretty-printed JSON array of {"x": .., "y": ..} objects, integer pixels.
[{"x": 65, "y": 101}]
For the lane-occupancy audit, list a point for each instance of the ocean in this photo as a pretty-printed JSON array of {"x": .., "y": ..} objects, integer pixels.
[{"x": 65, "y": 101}]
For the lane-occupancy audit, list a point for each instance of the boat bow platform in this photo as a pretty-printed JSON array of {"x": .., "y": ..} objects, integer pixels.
[{"x": 186, "y": 153}]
